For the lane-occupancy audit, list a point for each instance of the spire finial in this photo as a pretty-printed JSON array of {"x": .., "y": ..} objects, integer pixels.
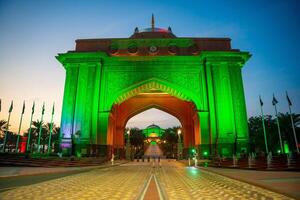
[{"x": 152, "y": 23}]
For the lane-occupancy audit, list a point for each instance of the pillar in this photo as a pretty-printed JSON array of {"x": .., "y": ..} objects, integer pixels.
[
  {"x": 239, "y": 107},
  {"x": 223, "y": 108},
  {"x": 204, "y": 133},
  {"x": 84, "y": 107},
  {"x": 210, "y": 122},
  {"x": 95, "y": 106},
  {"x": 102, "y": 147},
  {"x": 68, "y": 110}
]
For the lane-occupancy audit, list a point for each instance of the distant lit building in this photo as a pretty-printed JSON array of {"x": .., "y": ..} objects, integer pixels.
[{"x": 153, "y": 133}]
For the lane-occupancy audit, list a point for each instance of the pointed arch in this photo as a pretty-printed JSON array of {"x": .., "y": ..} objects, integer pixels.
[{"x": 182, "y": 110}]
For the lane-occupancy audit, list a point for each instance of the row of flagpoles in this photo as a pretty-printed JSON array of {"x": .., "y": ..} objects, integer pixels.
[
  {"x": 274, "y": 103},
  {"x": 29, "y": 133}
]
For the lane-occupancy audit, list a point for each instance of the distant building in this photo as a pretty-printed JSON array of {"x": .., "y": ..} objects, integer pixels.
[{"x": 153, "y": 131}]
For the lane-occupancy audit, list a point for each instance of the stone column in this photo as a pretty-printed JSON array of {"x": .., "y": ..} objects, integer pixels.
[
  {"x": 95, "y": 106},
  {"x": 204, "y": 132},
  {"x": 211, "y": 127},
  {"x": 239, "y": 107},
  {"x": 82, "y": 129},
  {"x": 226, "y": 99},
  {"x": 68, "y": 110},
  {"x": 102, "y": 132},
  {"x": 223, "y": 108}
]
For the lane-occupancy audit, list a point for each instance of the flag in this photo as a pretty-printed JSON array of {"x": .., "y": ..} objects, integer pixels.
[
  {"x": 274, "y": 100},
  {"x": 23, "y": 109},
  {"x": 11, "y": 106},
  {"x": 288, "y": 99},
  {"x": 261, "y": 102},
  {"x": 33, "y": 105},
  {"x": 53, "y": 109},
  {"x": 43, "y": 109}
]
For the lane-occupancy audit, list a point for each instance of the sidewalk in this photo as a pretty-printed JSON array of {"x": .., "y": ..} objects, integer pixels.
[
  {"x": 6, "y": 172},
  {"x": 287, "y": 183}
]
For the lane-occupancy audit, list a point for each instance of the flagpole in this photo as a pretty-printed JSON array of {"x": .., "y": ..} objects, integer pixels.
[
  {"x": 29, "y": 134},
  {"x": 17, "y": 145},
  {"x": 9, "y": 113},
  {"x": 51, "y": 130},
  {"x": 264, "y": 128},
  {"x": 293, "y": 126},
  {"x": 40, "y": 131},
  {"x": 278, "y": 127}
]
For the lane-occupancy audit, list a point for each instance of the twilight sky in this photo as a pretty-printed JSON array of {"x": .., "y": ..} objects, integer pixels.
[{"x": 33, "y": 32}]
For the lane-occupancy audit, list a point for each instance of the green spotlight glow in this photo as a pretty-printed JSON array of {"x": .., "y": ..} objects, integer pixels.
[
  {"x": 286, "y": 147},
  {"x": 278, "y": 151}
]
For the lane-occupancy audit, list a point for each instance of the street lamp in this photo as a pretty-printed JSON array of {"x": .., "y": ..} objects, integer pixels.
[
  {"x": 179, "y": 147},
  {"x": 128, "y": 146}
]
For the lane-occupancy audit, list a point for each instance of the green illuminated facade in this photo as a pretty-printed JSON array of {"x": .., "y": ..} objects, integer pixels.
[
  {"x": 153, "y": 131},
  {"x": 101, "y": 73}
]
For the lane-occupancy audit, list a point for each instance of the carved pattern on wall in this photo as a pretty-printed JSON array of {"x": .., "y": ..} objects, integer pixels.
[{"x": 189, "y": 81}]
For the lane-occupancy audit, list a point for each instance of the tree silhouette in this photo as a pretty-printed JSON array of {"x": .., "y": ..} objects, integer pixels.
[
  {"x": 256, "y": 132},
  {"x": 171, "y": 138},
  {"x": 45, "y": 133},
  {"x": 286, "y": 128},
  {"x": 3, "y": 125},
  {"x": 35, "y": 133}
]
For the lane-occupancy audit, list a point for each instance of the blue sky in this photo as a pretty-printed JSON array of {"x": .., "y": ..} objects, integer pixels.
[{"x": 33, "y": 32}]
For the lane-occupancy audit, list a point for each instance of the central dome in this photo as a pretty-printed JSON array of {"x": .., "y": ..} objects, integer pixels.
[
  {"x": 153, "y": 32},
  {"x": 160, "y": 30}
]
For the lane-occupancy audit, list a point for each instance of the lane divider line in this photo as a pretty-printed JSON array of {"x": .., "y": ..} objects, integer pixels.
[
  {"x": 144, "y": 190},
  {"x": 159, "y": 189}
]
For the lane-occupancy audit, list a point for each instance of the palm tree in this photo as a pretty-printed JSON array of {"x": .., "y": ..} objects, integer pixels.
[
  {"x": 35, "y": 132},
  {"x": 55, "y": 138},
  {"x": 55, "y": 134},
  {"x": 170, "y": 137},
  {"x": 136, "y": 137},
  {"x": 3, "y": 124}
]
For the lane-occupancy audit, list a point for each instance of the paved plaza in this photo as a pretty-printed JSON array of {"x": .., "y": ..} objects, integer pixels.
[{"x": 138, "y": 180}]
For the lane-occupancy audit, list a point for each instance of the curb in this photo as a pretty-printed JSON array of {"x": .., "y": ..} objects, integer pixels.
[{"x": 80, "y": 169}]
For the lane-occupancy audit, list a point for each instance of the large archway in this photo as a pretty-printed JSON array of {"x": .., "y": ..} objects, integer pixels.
[
  {"x": 102, "y": 75},
  {"x": 183, "y": 110}
]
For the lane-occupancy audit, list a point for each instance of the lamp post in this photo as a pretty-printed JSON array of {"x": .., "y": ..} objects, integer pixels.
[
  {"x": 179, "y": 147},
  {"x": 128, "y": 146}
]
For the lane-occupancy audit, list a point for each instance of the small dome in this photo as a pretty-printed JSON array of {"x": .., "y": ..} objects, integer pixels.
[
  {"x": 160, "y": 30},
  {"x": 153, "y": 32},
  {"x": 153, "y": 126}
]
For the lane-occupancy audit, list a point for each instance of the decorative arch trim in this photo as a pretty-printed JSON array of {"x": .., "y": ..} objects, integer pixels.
[{"x": 153, "y": 83}]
